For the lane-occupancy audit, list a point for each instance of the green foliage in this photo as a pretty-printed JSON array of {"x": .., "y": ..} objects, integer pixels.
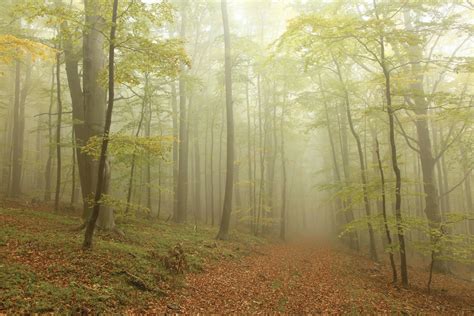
[
  {"x": 435, "y": 238},
  {"x": 123, "y": 147}
]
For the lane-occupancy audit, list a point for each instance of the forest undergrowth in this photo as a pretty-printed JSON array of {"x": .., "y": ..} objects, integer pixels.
[{"x": 165, "y": 268}]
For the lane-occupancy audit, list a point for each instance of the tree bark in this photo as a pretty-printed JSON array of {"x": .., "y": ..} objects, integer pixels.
[
  {"x": 284, "y": 175},
  {"x": 58, "y": 132},
  {"x": 182, "y": 188},
  {"x": 363, "y": 171},
  {"x": 101, "y": 177},
  {"x": 15, "y": 162},
  {"x": 227, "y": 207},
  {"x": 197, "y": 171},
  {"x": 384, "y": 212},
  {"x": 347, "y": 202},
  {"x": 134, "y": 157},
  {"x": 19, "y": 127},
  {"x": 174, "y": 110},
  {"x": 249, "y": 154},
  {"x": 396, "y": 169},
  {"x": 94, "y": 108},
  {"x": 427, "y": 159}
]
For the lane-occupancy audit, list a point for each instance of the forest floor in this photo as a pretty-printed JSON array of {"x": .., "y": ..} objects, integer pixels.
[
  {"x": 44, "y": 270},
  {"x": 309, "y": 278}
]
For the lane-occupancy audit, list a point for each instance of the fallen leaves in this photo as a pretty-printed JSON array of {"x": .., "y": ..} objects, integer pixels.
[{"x": 304, "y": 278}]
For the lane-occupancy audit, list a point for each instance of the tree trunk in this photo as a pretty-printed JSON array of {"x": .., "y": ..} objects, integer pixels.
[
  {"x": 58, "y": 132},
  {"x": 396, "y": 170},
  {"x": 73, "y": 176},
  {"x": 197, "y": 171},
  {"x": 148, "y": 162},
  {"x": 206, "y": 176},
  {"x": 384, "y": 212},
  {"x": 262, "y": 149},
  {"x": 211, "y": 168},
  {"x": 427, "y": 159},
  {"x": 93, "y": 111},
  {"x": 174, "y": 109},
  {"x": 15, "y": 162},
  {"x": 284, "y": 175},
  {"x": 134, "y": 157},
  {"x": 227, "y": 207},
  {"x": 347, "y": 202},
  {"x": 101, "y": 177},
  {"x": 249, "y": 154},
  {"x": 337, "y": 174},
  {"x": 363, "y": 171},
  {"x": 182, "y": 189},
  {"x": 19, "y": 127}
]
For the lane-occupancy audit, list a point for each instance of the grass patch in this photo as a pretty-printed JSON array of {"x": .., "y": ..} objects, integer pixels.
[{"x": 43, "y": 268}]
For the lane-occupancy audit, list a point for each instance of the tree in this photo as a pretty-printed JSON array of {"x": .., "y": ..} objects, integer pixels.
[
  {"x": 182, "y": 186},
  {"x": 229, "y": 180},
  {"x": 58, "y": 132},
  {"x": 101, "y": 177}
]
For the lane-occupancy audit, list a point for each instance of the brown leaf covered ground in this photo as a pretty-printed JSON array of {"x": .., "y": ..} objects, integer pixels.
[
  {"x": 43, "y": 269},
  {"x": 304, "y": 278}
]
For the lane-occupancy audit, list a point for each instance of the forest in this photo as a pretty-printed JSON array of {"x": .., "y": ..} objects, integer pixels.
[{"x": 236, "y": 156}]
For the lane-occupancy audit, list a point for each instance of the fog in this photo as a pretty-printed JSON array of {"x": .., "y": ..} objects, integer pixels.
[{"x": 339, "y": 122}]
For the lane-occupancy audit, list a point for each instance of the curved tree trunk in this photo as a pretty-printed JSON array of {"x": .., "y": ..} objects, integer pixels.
[{"x": 363, "y": 171}]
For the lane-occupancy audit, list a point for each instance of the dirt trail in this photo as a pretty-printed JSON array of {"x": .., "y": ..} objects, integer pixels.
[{"x": 304, "y": 278}]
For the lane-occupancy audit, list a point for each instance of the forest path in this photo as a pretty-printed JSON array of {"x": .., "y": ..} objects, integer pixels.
[{"x": 308, "y": 278}]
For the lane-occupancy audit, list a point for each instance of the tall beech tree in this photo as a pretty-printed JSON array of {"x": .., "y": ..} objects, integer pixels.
[
  {"x": 101, "y": 176},
  {"x": 229, "y": 180}
]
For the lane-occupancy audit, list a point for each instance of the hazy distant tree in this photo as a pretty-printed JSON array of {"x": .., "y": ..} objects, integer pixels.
[
  {"x": 182, "y": 186},
  {"x": 229, "y": 183}
]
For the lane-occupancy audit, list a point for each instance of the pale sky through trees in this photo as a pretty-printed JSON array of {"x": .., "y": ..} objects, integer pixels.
[{"x": 236, "y": 157}]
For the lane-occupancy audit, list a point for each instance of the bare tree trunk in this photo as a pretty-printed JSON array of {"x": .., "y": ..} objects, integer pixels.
[
  {"x": 238, "y": 196},
  {"x": 339, "y": 204},
  {"x": 363, "y": 171},
  {"x": 182, "y": 188},
  {"x": 271, "y": 159},
  {"x": 90, "y": 108},
  {"x": 47, "y": 172},
  {"x": 197, "y": 171},
  {"x": 467, "y": 188},
  {"x": 427, "y": 159},
  {"x": 73, "y": 176},
  {"x": 227, "y": 208},
  {"x": 445, "y": 176},
  {"x": 58, "y": 132},
  {"x": 396, "y": 169},
  {"x": 284, "y": 175},
  {"x": 148, "y": 164},
  {"x": 211, "y": 161},
  {"x": 134, "y": 156},
  {"x": 249, "y": 154},
  {"x": 206, "y": 174},
  {"x": 105, "y": 137},
  {"x": 15, "y": 162},
  {"x": 174, "y": 109},
  {"x": 19, "y": 127},
  {"x": 262, "y": 148},
  {"x": 347, "y": 202},
  {"x": 384, "y": 212},
  {"x": 219, "y": 173}
]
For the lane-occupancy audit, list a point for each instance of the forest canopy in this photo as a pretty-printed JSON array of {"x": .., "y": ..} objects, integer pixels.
[{"x": 349, "y": 122}]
